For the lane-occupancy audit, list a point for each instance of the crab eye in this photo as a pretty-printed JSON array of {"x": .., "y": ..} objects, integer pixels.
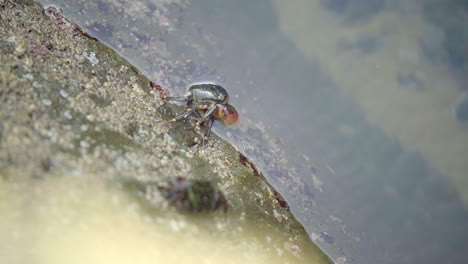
[{"x": 228, "y": 115}]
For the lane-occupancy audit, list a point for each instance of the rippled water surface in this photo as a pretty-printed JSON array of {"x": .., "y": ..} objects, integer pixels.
[{"x": 353, "y": 110}]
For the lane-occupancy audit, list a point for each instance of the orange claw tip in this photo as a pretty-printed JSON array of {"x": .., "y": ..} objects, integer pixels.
[
  {"x": 231, "y": 120},
  {"x": 227, "y": 114}
]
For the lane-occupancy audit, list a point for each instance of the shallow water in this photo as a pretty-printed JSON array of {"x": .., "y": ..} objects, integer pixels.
[{"x": 356, "y": 102}]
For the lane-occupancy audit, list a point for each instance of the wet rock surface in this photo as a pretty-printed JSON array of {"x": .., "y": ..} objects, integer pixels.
[{"x": 69, "y": 105}]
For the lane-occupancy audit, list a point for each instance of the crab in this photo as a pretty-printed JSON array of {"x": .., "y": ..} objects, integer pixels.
[
  {"x": 192, "y": 195},
  {"x": 209, "y": 101}
]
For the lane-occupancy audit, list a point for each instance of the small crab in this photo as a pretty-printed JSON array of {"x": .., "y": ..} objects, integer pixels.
[
  {"x": 193, "y": 195},
  {"x": 209, "y": 101}
]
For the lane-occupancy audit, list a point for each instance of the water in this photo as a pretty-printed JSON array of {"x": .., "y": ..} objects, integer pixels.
[{"x": 347, "y": 108}]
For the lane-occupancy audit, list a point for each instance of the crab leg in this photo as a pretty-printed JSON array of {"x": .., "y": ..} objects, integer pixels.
[
  {"x": 206, "y": 115},
  {"x": 177, "y": 98},
  {"x": 180, "y": 117},
  {"x": 210, "y": 125}
]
